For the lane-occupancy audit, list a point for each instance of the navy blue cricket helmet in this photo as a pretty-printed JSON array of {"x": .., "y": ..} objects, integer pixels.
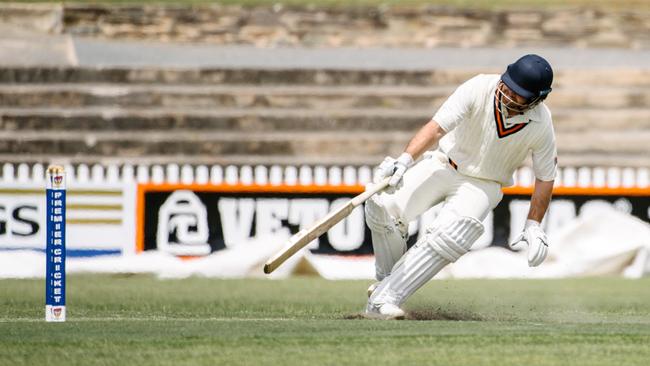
[{"x": 530, "y": 77}]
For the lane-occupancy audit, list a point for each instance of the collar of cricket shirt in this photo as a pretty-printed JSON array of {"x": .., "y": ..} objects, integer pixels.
[{"x": 531, "y": 115}]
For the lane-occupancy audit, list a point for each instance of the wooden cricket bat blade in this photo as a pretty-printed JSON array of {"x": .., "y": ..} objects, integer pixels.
[
  {"x": 300, "y": 239},
  {"x": 292, "y": 246}
]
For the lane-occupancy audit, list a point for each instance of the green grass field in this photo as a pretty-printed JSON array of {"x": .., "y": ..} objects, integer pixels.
[{"x": 139, "y": 320}]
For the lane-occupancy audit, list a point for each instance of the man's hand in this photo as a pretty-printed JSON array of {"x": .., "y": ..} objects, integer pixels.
[
  {"x": 394, "y": 168},
  {"x": 535, "y": 238}
]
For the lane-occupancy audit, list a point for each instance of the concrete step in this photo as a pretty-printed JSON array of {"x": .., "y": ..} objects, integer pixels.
[
  {"x": 613, "y": 159},
  {"x": 224, "y": 160},
  {"x": 129, "y": 144},
  {"x": 269, "y": 119},
  {"x": 599, "y": 97},
  {"x": 322, "y": 97},
  {"x": 567, "y": 120},
  {"x": 245, "y": 120},
  {"x": 216, "y": 76},
  {"x": 589, "y": 142},
  {"x": 220, "y": 96},
  {"x": 313, "y": 145},
  {"x": 608, "y": 77}
]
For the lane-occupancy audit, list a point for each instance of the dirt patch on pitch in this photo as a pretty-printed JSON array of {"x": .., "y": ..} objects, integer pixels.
[
  {"x": 430, "y": 314},
  {"x": 442, "y": 314}
]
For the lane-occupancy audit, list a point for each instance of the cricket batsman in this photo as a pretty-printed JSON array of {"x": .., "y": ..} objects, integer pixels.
[{"x": 481, "y": 135}]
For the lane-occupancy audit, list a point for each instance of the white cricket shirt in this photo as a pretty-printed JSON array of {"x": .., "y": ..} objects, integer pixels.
[{"x": 484, "y": 144}]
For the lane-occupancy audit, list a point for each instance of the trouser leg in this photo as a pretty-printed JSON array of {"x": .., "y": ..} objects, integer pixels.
[{"x": 442, "y": 244}]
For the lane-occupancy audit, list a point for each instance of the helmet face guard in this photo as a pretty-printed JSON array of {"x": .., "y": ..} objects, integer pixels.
[
  {"x": 509, "y": 104},
  {"x": 528, "y": 79}
]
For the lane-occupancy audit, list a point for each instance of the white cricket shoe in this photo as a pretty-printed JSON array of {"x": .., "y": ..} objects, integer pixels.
[
  {"x": 384, "y": 312},
  {"x": 372, "y": 288}
]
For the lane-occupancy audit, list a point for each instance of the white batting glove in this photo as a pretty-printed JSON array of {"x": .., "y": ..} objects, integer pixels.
[
  {"x": 534, "y": 237},
  {"x": 394, "y": 168}
]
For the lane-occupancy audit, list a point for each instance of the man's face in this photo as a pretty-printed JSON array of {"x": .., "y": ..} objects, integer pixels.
[{"x": 512, "y": 101}]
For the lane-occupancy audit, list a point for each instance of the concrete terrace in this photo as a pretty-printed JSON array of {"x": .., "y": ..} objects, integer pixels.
[{"x": 78, "y": 99}]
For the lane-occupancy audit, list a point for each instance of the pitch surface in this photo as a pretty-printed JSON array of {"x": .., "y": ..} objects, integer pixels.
[{"x": 141, "y": 320}]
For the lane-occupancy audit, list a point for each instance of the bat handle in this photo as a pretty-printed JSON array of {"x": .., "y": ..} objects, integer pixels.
[{"x": 370, "y": 191}]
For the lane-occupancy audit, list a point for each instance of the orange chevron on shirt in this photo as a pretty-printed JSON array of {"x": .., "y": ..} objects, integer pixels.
[{"x": 502, "y": 131}]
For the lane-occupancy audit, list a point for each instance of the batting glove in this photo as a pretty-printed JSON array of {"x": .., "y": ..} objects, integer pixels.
[
  {"x": 534, "y": 237},
  {"x": 394, "y": 168}
]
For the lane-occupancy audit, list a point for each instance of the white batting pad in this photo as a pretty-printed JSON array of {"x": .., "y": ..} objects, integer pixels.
[
  {"x": 388, "y": 239},
  {"x": 455, "y": 238},
  {"x": 440, "y": 246}
]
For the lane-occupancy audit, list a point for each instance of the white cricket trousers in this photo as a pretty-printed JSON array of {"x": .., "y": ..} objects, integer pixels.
[{"x": 431, "y": 181}]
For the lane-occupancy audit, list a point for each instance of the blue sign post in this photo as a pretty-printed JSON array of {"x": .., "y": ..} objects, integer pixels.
[{"x": 55, "y": 245}]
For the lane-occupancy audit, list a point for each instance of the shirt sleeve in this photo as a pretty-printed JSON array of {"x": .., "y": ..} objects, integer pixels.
[
  {"x": 457, "y": 107},
  {"x": 545, "y": 156}
]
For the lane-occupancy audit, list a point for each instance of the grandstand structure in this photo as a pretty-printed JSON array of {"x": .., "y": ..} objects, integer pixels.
[{"x": 85, "y": 100}]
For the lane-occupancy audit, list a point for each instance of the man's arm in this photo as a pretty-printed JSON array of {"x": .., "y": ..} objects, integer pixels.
[
  {"x": 533, "y": 236},
  {"x": 542, "y": 193},
  {"x": 424, "y": 139}
]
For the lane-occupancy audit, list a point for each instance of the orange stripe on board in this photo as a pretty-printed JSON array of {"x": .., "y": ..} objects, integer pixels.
[
  {"x": 356, "y": 189},
  {"x": 252, "y": 188},
  {"x": 139, "y": 219},
  {"x": 583, "y": 191}
]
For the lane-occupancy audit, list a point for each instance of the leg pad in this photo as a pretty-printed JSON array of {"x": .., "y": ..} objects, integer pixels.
[
  {"x": 444, "y": 244},
  {"x": 453, "y": 240},
  {"x": 388, "y": 237}
]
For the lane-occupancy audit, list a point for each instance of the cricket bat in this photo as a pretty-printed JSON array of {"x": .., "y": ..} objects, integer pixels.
[{"x": 300, "y": 239}]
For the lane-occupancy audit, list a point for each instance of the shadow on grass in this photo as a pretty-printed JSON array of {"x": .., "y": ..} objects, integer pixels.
[{"x": 431, "y": 314}]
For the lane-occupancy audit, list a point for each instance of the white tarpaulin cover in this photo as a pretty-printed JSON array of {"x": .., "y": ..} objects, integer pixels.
[{"x": 606, "y": 242}]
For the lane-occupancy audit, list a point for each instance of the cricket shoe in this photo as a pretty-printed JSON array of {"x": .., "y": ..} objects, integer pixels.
[
  {"x": 372, "y": 288},
  {"x": 384, "y": 312}
]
